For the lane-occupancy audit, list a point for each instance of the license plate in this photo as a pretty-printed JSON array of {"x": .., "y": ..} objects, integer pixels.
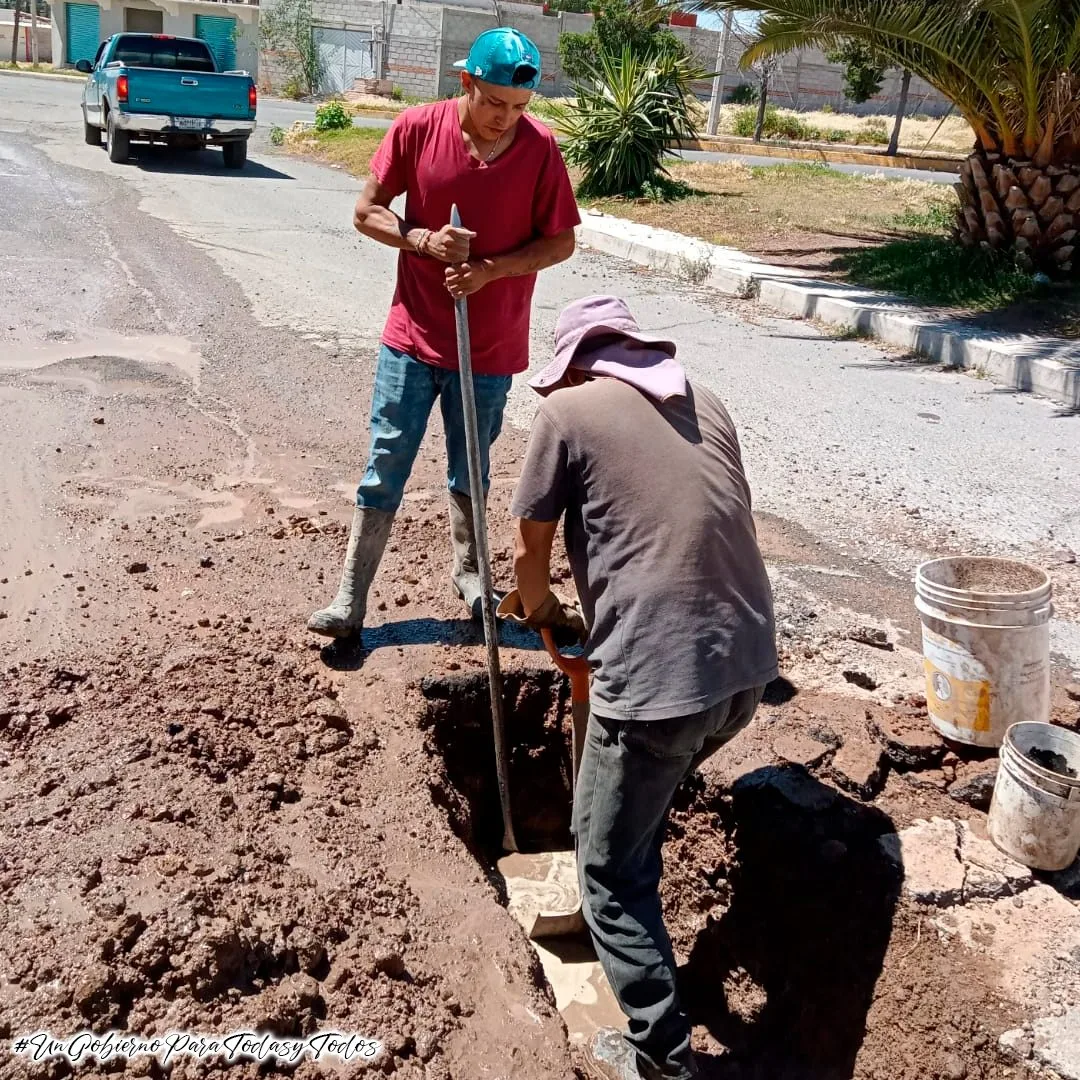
[{"x": 189, "y": 123}]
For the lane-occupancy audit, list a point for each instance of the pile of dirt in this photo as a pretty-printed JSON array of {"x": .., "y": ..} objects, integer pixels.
[
  {"x": 211, "y": 840},
  {"x": 221, "y": 824}
]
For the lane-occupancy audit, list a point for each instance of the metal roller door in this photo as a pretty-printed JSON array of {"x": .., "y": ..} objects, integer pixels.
[
  {"x": 220, "y": 34},
  {"x": 83, "y": 24},
  {"x": 344, "y": 57}
]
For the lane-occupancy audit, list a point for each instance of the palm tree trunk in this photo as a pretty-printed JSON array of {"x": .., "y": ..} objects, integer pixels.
[
  {"x": 15, "y": 33},
  {"x": 762, "y": 102},
  {"x": 1009, "y": 204},
  {"x": 894, "y": 141}
]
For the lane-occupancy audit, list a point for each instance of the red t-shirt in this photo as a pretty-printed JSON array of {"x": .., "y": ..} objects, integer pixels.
[{"x": 523, "y": 194}]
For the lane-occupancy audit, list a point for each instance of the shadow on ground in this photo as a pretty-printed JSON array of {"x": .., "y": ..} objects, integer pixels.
[
  {"x": 785, "y": 977},
  {"x": 349, "y": 654},
  {"x": 162, "y": 159}
]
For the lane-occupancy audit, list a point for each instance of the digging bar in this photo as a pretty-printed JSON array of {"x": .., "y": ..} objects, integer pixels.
[
  {"x": 483, "y": 557},
  {"x": 568, "y": 923}
]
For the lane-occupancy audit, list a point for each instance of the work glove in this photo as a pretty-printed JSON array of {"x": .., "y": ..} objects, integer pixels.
[{"x": 563, "y": 619}]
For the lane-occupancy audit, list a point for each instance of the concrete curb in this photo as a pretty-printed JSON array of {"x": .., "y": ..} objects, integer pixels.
[
  {"x": 1049, "y": 367},
  {"x": 42, "y": 75},
  {"x": 834, "y": 153}
]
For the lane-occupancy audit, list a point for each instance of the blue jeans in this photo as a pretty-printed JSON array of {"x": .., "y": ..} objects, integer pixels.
[
  {"x": 627, "y": 779},
  {"x": 405, "y": 391}
]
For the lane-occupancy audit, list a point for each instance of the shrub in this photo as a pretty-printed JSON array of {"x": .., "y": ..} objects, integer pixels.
[
  {"x": 745, "y": 94},
  {"x": 277, "y": 135},
  {"x": 333, "y": 116},
  {"x": 293, "y": 88},
  {"x": 625, "y": 115},
  {"x": 778, "y": 125}
]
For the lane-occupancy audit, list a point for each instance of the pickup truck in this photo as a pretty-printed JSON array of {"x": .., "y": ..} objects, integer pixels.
[{"x": 158, "y": 88}]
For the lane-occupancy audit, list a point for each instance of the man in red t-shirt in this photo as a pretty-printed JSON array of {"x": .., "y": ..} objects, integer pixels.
[{"x": 507, "y": 177}]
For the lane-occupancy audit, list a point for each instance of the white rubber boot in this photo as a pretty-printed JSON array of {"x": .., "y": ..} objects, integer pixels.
[{"x": 367, "y": 541}]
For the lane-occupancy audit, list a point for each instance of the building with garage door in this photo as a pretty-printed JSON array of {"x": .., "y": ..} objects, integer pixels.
[{"x": 230, "y": 29}]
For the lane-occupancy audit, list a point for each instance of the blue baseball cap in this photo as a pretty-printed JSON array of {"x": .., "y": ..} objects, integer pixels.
[{"x": 504, "y": 57}]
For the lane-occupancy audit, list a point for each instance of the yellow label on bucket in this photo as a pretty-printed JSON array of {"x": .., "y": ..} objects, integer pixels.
[
  {"x": 957, "y": 684},
  {"x": 961, "y": 703}
]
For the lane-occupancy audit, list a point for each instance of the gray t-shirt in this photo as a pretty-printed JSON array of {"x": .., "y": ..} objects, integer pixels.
[{"x": 661, "y": 542}]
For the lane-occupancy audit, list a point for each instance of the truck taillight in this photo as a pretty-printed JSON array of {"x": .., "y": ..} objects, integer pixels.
[
  {"x": 122, "y": 88},
  {"x": 253, "y": 97}
]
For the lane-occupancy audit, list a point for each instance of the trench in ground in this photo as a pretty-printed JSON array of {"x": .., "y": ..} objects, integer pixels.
[{"x": 777, "y": 897}]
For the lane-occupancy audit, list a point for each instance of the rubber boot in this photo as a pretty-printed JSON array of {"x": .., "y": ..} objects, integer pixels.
[
  {"x": 367, "y": 541},
  {"x": 466, "y": 573}
]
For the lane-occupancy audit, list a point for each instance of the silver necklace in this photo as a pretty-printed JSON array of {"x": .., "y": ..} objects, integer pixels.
[{"x": 491, "y": 153}]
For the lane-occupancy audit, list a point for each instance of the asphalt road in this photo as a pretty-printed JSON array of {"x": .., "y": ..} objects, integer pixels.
[
  {"x": 274, "y": 111},
  {"x": 885, "y": 460}
]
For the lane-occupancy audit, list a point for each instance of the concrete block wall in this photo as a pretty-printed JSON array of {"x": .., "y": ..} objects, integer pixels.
[
  {"x": 807, "y": 81},
  {"x": 420, "y": 41},
  {"x": 412, "y": 60}
]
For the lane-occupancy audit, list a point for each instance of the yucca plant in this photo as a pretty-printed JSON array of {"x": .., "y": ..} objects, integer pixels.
[
  {"x": 627, "y": 111},
  {"x": 1012, "y": 69}
]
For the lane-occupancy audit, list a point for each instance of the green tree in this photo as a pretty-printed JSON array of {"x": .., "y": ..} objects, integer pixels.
[
  {"x": 1011, "y": 68},
  {"x": 287, "y": 28},
  {"x": 864, "y": 72},
  {"x": 619, "y": 24}
]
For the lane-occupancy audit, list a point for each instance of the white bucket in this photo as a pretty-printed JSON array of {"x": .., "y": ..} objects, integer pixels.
[
  {"x": 1035, "y": 812},
  {"x": 986, "y": 644}
]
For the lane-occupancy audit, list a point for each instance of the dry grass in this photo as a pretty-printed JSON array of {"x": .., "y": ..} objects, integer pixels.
[
  {"x": 43, "y": 69},
  {"x": 350, "y": 149},
  {"x": 802, "y": 214},
  {"x": 955, "y": 135}
]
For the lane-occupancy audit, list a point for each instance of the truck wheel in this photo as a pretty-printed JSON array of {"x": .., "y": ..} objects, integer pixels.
[
  {"x": 91, "y": 134},
  {"x": 117, "y": 142},
  {"x": 235, "y": 154}
]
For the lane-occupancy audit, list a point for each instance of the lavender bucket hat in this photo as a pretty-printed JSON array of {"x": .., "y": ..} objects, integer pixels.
[{"x": 652, "y": 368}]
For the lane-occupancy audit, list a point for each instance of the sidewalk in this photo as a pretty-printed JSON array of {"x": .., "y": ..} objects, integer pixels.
[{"x": 1047, "y": 366}]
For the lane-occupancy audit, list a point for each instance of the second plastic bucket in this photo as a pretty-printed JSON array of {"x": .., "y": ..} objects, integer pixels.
[
  {"x": 1035, "y": 812},
  {"x": 986, "y": 644}
]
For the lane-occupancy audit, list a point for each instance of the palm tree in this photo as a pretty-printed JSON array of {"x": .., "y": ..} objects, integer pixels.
[{"x": 1012, "y": 69}]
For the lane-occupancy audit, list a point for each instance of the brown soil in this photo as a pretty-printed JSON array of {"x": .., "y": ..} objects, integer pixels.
[
  {"x": 213, "y": 821},
  {"x": 990, "y": 576},
  {"x": 219, "y": 825}
]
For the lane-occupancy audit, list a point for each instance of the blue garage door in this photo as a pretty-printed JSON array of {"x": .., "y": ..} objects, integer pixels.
[
  {"x": 220, "y": 35},
  {"x": 83, "y": 31}
]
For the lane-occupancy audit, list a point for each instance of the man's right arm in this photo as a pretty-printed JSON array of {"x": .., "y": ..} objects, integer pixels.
[{"x": 374, "y": 218}]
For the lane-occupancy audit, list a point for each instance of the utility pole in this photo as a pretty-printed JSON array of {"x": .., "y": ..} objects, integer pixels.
[
  {"x": 33, "y": 33},
  {"x": 718, "y": 82}
]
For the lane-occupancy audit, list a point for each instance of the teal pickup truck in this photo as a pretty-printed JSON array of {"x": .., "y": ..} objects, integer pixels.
[{"x": 157, "y": 88}]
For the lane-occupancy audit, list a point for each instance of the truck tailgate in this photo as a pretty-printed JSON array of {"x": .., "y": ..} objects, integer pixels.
[{"x": 201, "y": 94}]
